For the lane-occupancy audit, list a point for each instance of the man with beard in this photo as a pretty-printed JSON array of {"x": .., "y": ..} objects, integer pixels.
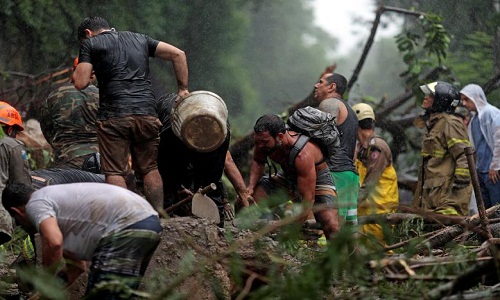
[{"x": 304, "y": 175}]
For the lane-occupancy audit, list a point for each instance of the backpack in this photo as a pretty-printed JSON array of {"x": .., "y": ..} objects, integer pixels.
[{"x": 319, "y": 126}]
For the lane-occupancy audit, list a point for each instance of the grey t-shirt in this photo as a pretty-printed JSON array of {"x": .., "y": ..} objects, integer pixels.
[{"x": 87, "y": 212}]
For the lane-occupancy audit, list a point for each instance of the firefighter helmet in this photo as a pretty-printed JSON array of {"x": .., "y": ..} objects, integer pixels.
[
  {"x": 10, "y": 116},
  {"x": 446, "y": 96},
  {"x": 363, "y": 111}
]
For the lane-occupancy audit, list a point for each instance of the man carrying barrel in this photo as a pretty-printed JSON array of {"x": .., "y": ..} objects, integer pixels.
[
  {"x": 127, "y": 122},
  {"x": 199, "y": 160}
]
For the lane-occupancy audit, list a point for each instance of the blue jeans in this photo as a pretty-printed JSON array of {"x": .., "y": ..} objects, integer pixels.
[{"x": 489, "y": 190}]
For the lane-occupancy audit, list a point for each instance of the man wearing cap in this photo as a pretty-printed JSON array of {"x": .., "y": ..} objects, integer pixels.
[
  {"x": 378, "y": 193},
  {"x": 13, "y": 161},
  {"x": 484, "y": 133},
  {"x": 328, "y": 91},
  {"x": 444, "y": 180},
  {"x": 127, "y": 121},
  {"x": 67, "y": 119}
]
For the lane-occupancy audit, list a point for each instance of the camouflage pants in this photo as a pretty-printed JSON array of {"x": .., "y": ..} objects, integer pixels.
[{"x": 122, "y": 256}]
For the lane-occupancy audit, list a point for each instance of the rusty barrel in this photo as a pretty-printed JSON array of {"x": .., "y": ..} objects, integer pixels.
[{"x": 200, "y": 121}]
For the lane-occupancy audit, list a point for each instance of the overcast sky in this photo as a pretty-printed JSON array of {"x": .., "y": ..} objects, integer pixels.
[{"x": 336, "y": 17}]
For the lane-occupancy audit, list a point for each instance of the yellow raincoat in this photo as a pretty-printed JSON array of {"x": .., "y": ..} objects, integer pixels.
[{"x": 379, "y": 187}]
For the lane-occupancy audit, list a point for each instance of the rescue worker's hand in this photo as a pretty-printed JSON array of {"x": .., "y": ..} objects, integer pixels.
[
  {"x": 245, "y": 200},
  {"x": 182, "y": 93},
  {"x": 250, "y": 191},
  {"x": 494, "y": 175}
]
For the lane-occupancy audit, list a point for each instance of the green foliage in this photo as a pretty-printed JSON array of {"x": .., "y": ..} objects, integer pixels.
[
  {"x": 234, "y": 48},
  {"x": 43, "y": 282},
  {"x": 284, "y": 54},
  {"x": 15, "y": 245},
  {"x": 472, "y": 62},
  {"x": 420, "y": 57}
]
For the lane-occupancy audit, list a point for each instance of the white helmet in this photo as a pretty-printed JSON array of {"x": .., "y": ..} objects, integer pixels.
[{"x": 363, "y": 111}]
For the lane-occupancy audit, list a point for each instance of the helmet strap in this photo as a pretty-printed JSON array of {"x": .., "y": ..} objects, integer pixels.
[{"x": 10, "y": 131}]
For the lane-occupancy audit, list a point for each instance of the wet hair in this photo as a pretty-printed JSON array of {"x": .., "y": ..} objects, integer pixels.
[
  {"x": 16, "y": 195},
  {"x": 94, "y": 23},
  {"x": 340, "y": 81},
  {"x": 368, "y": 123},
  {"x": 270, "y": 123}
]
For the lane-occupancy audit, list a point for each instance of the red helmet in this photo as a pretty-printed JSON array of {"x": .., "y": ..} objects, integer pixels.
[{"x": 10, "y": 116}]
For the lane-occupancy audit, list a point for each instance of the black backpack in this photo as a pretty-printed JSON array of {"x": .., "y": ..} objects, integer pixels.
[{"x": 319, "y": 126}]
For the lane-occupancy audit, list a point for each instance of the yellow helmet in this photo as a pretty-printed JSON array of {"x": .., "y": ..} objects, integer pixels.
[
  {"x": 363, "y": 111},
  {"x": 10, "y": 116}
]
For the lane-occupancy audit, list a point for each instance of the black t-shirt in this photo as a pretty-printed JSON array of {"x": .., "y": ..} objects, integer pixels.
[{"x": 121, "y": 64}]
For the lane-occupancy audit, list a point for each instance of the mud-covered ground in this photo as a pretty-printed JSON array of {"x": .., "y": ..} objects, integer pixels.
[{"x": 192, "y": 259}]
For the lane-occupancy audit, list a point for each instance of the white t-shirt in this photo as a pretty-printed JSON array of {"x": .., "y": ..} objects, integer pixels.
[{"x": 86, "y": 212}]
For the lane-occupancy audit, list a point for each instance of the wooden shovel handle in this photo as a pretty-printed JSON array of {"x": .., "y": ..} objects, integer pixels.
[{"x": 209, "y": 188}]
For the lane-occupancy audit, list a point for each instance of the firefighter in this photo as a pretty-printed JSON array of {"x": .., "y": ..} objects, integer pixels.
[
  {"x": 444, "y": 180},
  {"x": 378, "y": 192},
  {"x": 13, "y": 161}
]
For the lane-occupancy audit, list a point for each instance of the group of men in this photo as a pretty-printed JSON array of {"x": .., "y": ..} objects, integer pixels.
[
  {"x": 115, "y": 229},
  {"x": 331, "y": 183},
  {"x": 444, "y": 184},
  {"x": 114, "y": 224}
]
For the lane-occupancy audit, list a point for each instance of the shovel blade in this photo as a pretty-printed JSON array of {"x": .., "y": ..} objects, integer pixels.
[{"x": 204, "y": 207}]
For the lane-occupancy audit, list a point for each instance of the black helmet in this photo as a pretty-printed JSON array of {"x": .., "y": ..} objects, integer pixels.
[{"x": 446, "y": 96}]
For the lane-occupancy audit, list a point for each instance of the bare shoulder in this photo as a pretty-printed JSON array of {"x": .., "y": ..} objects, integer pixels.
[
  {"x": 331, "y": 105},
  {"x": 309, "y": 155}
]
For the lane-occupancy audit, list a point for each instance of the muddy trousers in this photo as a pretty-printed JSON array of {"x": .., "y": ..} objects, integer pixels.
[{"x": 120, "y": 260}]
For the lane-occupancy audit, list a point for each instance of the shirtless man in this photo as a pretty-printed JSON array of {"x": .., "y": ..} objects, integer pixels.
[{"x": 305, "y": 174}]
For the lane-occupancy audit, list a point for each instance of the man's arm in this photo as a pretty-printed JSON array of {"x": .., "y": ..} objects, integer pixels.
[
  {"x": 256, "y": 170},
  {"x": 18, "y": 166},
  {"x": 72, "y": 270},
  {"x": 82, "y": 75},
  {"x": 457, "y": 140},
  {"x": 234, "y": 176},
  {"x": 52, "y": 243},
  {"x": 178, "y": 57},
  {"x": 494, "y": 172},
  {"x": 306, "y": 178}
]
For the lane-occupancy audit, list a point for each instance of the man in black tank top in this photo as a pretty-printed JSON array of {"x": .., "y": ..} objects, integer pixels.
[{"x": 328, "y": 92}]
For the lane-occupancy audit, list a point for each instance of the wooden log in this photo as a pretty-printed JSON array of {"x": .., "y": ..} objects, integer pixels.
[
  {"x": 465, "y": 281},
  {"x": 396, "y": 218},
  {"x": 451, "y": 232}
]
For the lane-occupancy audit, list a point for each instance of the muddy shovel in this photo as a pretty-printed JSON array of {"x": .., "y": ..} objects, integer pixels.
[{"x": 204, "y": 207}]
